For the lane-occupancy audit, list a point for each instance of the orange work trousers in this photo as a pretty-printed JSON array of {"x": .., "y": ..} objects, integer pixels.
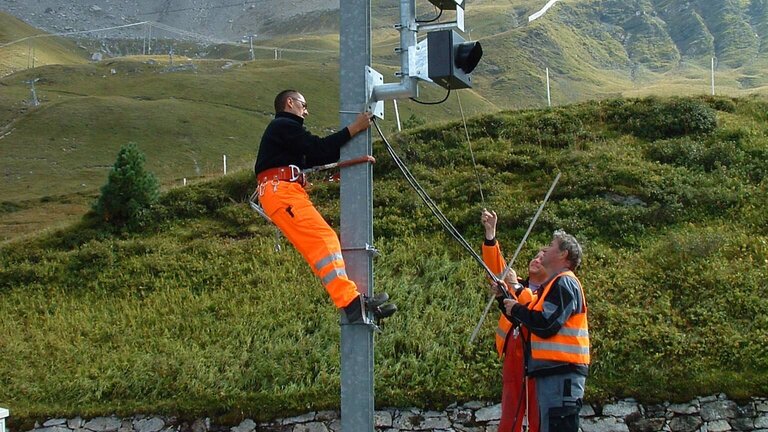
[
  {"x": 513, "y": 397},
  {"x": 289, "y": 207},
  {"x": 513, "y": 379}
]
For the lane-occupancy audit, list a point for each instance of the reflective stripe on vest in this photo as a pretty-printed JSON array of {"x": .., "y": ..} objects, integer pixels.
[
  {"x": 502, "y": 329},
  {"x": 501, "y": 334},
  {"x": 571, "y": 343}
]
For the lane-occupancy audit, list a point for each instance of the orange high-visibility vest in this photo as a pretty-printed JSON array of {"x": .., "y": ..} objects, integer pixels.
[
  {"x": 504, "y": 326},
  {"x": 571, "y": 343}
]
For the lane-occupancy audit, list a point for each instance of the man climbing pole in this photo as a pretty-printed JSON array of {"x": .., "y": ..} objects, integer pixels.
[
  {"x": 511, "y": 339},
  {"x": 287, "y": 148},
  {"x": 557, "y": 320}
]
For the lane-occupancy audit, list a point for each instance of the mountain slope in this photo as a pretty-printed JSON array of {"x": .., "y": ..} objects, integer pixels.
[{"x": 34, "y": 51}]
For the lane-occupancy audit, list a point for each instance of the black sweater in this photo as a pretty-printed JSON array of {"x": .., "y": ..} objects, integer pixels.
[{"x": 286, "y": 142}]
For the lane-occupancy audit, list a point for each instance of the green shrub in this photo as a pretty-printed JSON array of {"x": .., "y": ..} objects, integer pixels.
[
  {"x": 721, "y": 103},
  {"x": 129, "y": 192},
  {"x": 655, "y": 118}
]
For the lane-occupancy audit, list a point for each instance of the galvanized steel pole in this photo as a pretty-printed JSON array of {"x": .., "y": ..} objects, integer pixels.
[{"x": 357, "y": 396}]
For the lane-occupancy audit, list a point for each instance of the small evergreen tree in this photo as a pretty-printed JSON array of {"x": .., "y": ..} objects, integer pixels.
[{"x": 129, "y": 191}]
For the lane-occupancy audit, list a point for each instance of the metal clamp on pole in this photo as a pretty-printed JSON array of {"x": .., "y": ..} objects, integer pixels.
[{"x": 372, "y": 251}]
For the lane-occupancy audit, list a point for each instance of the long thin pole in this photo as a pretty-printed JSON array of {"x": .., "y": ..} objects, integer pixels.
[
  {"x": 514, "y": 257},
  {"x": 549, "y": 95},
  {"x": 397, "y": 116},
  {"x": 357, "y": 395},
  {"x": 713, "y": 76}
]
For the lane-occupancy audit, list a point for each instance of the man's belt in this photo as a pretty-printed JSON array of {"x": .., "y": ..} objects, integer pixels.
[{"x": 290, "y": 173}]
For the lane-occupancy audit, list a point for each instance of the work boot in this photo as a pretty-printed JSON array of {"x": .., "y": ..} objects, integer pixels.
[
  {"x": 379, "y": 307},
  {"x": 384, "y": 311},
  {"x": 355, "y": 312},
  {"x": 376, "y": 301}
]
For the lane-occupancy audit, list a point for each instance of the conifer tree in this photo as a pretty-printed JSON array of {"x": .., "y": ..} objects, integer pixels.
[{"x": 129, "y": 191}]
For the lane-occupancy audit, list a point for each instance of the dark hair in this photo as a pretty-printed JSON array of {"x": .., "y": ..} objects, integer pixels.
[
  {"x": 569, "y": 243},
  {"x": 282, "y": 98}
]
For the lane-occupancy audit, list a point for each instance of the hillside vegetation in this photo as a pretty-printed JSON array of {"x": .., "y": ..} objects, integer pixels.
[
  {"x": 187, "y": 117},
  {"x": 197, "y": 314},
  {"x": 185, "y": 120},
  {"x": 15, "y": 56}
]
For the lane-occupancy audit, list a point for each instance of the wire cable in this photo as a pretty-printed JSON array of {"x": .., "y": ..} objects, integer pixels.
[
  {"x": 433, "y": 103},
  {"x": 433, "y": 207},
  {"x": 431, "y": 19},
  {"x": 472, "y": 153}
]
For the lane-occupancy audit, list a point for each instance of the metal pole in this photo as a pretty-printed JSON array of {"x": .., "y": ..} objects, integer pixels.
[
  {"x": 225, "y": 164},
  {"x": 407, "y": 87},
  {"x": 549, "y": 96},
  {"x": 357, "y": 396},
  {"x": 3, "y": 414},
  {"x": 397, "y": 116},
  {"x": 253, "y": 56},
  {"x": 713, "y": 76}
]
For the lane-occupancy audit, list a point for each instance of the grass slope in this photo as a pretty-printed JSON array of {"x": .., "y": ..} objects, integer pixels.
[
  {"x": 183, "y": 120},
  {"x": 46, "y": 50},
  {"x": 193, "y": 317}
]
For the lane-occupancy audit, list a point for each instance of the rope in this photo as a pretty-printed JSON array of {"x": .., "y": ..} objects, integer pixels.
[
  {"x": 433, "y": 206},
  {"x": 472, "y": 153}
]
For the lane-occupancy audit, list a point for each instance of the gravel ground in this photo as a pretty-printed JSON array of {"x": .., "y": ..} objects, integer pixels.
[{"x": 220, "y": 19}]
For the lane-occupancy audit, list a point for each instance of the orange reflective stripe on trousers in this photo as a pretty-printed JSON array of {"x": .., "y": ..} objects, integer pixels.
[{"x": 289, "y": 207}]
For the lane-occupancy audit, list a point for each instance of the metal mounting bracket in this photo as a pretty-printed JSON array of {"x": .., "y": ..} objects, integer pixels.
[{"x": 372, "y": 79}]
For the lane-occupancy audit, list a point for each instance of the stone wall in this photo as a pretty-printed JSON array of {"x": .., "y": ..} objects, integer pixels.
[{"x": 704, "y": 414}]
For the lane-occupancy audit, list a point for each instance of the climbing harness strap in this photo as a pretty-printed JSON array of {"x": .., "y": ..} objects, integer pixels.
[{"x": 292, "y": 173}]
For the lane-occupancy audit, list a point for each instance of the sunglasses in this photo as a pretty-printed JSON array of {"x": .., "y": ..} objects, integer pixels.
[{"x": 303, "y": 104}]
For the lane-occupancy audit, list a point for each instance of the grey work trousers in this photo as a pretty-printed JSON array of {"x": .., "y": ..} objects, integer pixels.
[{"x": 559, "y": 398}]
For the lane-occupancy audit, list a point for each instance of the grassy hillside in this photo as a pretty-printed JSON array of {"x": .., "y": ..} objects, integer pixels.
[
  {"x": 57, "y": 154},
  {"x": 185, "y": 120},
  {"x": 37, "y": 51},
  {"x": 192, "y": 316}
]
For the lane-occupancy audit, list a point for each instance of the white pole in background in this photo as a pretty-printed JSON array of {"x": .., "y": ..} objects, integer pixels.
[
  {"x": 713, "y": 76},
  {"x": 3, "y": 414},
  {"x": 225, "y": 164},
  {"x": 549, "y": 96},
  {"x": 397, "y": 118}
]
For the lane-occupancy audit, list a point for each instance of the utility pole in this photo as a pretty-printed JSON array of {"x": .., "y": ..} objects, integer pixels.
[
  {"x": 549, "y": 95},
  {"x": 33, "y": 101},
  {"x": 149, "y": 38},
  {"x": 357, "y": 396},
  {"x": 250, "y": 39}
]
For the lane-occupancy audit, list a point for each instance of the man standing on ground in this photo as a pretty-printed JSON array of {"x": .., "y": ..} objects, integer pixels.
[
  {"x": 511, "y": 339},
  {"x": 287, "y": 148},
  {"x": 557, "y": 319}
]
